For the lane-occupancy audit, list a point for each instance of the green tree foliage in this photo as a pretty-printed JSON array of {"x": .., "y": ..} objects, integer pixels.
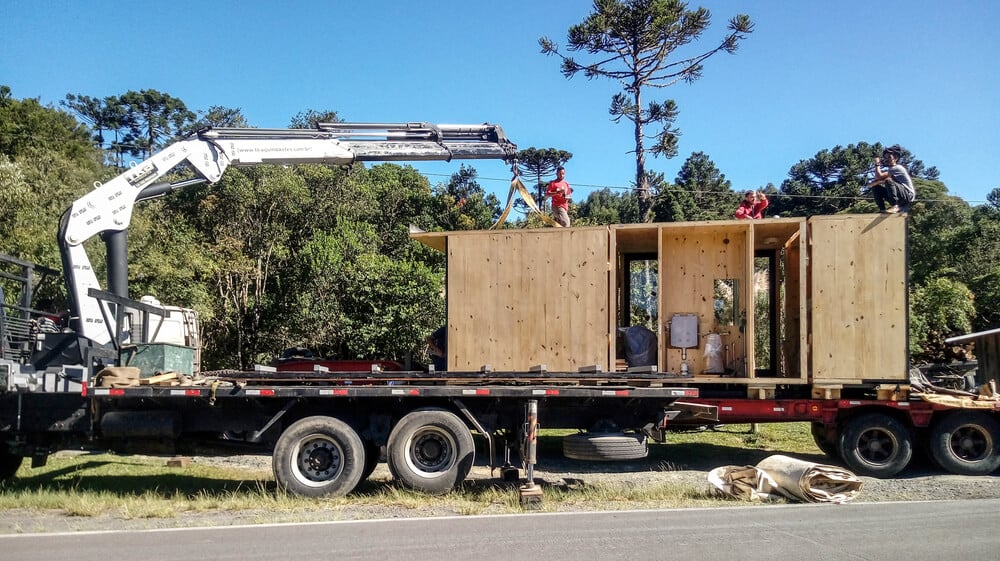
[
  {"x": 537, "y": 163},
  {"x": 357, "y": 302},
  {"x": 633, "y": 41},
  {"x": 607, "y": 207},
  {"x": 700, "y": 192},
  {"x": 939, "y": 228},
  {"x": 153, "y": 118},
  {"x": 219, "y": 116},
  {"x": 27, "y": 126},
  {"x": 940, "y": 308},
  {"x": 463, "y": 204},
  {"x": 973, "y": 252},
  {"x": 835, "y": 180},
  {"x": 47, "y": 160},
  {"x": 310, "y": 118}
]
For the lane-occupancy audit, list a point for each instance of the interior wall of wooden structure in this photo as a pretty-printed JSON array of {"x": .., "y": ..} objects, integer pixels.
[
  {"x": 518, "y": 299},
  {"x": 692, "y": 257},
  {"x": 859, "y": 300}
]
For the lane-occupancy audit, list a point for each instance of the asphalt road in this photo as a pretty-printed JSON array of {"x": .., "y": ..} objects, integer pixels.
[{"x": 912, "y": 531}]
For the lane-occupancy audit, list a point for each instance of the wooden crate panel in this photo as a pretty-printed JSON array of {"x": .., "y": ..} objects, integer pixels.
[
  {"x": 858, "y": 293},
  {"x": 521, "y": 298}
]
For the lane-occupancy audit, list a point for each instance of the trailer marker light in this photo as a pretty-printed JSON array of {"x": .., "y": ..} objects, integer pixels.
[
  {"x": 101, "y": 392},
  {"x": 397, "y": 392},
  {"x": 614, "y": 392},
  {"x": 779, "y": 409},
  {"x": 116, "y": 391},
  {"x": 83, "y": 388},
  {"x": 340, "y": 392},
  {"x": 414, "y": 392},
  {"x": 261, "y": 392},
  {"x": 902, "y": 403},
  {"x": 727, "y": 408},
  {"x": 193, "y": 393},
  {"x": 545, "y": 392}
]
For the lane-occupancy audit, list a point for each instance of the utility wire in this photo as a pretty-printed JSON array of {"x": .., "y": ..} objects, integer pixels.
[{"x": 705, "y": 192}]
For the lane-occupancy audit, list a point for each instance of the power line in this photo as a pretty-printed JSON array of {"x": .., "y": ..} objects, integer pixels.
[{"x": 706, "y": 192}]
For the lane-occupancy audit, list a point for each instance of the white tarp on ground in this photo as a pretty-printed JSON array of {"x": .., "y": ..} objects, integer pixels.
[{"x": 790, "y": 477}]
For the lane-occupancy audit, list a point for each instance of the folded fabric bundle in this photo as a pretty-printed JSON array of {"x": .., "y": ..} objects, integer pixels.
[{"x": 789, "y": 477}]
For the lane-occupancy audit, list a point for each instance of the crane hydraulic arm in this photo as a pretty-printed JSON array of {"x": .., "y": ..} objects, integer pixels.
[{"x": 108, "y": 208}]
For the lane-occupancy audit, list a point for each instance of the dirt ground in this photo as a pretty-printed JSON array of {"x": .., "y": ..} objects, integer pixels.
[{"x": 918, "y": 483}]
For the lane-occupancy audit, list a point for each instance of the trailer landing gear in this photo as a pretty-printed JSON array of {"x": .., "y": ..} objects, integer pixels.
[{"x": 530, "y": 492}]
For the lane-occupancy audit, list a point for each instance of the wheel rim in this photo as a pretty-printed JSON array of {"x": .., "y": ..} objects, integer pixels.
[
  {"x": 431, "y": 452},
  {"x": 877, "y": 446},
  {"x": 318, "y": 460},
  {"x": 971, "y": 443}
]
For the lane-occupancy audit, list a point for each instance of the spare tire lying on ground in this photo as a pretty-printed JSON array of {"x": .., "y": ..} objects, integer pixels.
[{"x": 605, "y": 447}]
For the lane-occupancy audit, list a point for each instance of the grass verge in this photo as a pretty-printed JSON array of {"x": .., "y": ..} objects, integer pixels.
[{"x": 136, "y": 487}]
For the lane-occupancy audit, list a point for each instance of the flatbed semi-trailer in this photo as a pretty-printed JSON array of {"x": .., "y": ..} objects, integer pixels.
[{"x": 326, "y": 431}]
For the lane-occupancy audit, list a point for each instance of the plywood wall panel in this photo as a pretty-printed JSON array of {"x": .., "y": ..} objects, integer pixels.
[
  {"x": 858, "y": 294},
  {"x": 527, "y": 297}
]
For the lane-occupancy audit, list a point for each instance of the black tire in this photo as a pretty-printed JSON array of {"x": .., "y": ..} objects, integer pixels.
[
  {"x": 9, "y": 464},
  {"x": 319, "y": 457},
  {"x": 966, "y": 442},
  {"x": 875, "y": 444},
  {"x": 827, "y": 445},
  {"x": 605, "y": 447},
  {"x": 373, "y": 454},
  {"x": 431, "y": 451}
]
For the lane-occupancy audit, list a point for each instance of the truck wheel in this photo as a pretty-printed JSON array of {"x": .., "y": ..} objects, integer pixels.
[
  {"x": 430, "y": 450},
  {"x": 319, "y": 457},
  {"x": 875, "y": 444},
  {"x": 9, "y": 464},
  {"x": 605, "y": 447},
  {"x": 966, "y": 443},
  {"x": 823, "y": 442}
]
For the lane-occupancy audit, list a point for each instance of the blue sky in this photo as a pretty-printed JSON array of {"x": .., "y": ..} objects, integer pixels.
[{"x": 813, "y": 75}]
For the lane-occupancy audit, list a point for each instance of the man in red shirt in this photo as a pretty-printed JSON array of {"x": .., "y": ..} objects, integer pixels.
[
  {"x": 560, "y": 191},
  {"x": 753, "y": 206}
]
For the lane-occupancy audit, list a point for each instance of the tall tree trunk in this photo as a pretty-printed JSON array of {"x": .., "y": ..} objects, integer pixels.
[{"x": 641, "y": 182}]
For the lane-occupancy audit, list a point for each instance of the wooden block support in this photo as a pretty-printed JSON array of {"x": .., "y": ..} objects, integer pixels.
[
  {"x": 760, "y": 391},
  {"x": 591, "y": 369},
  {"x": 892, "y": 392},
  {"x": 538, "y": 368},
  {"x": 179, "y": 462},
  {"x": 826, "y": 391}
]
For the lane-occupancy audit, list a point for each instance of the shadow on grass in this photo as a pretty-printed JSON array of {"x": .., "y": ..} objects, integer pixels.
[
  {"x": 700, "y": 456},
  {"x": 81, "y": 477}
]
